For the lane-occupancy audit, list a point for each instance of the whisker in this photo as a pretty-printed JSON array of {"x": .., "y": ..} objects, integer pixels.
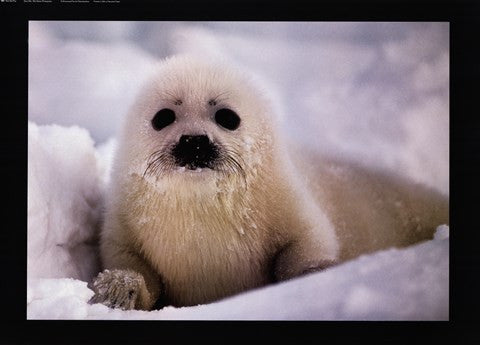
[
  {"x": 232, "y": 163},
  {"x": 157, "y": 161},
  {"x": 229, "y": 163}
]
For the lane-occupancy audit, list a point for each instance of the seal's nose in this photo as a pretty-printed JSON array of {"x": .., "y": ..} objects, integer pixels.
[{"x": 195, "y": 151}]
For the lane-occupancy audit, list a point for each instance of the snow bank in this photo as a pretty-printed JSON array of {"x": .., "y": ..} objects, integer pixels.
[
  {"x": 57, "y": 299},
  {"x": 395, "y": 284},
  {"x": 64, "y": 202}
]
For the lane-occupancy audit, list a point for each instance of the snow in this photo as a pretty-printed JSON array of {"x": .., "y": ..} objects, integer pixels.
[
  {"x": 377, "y": 92},
  {"x": 442, "y": 232},
  {"x": 97, "y": 81},
  {"x": 64, "y": 202},
  {"x": 395, "y": 284}
]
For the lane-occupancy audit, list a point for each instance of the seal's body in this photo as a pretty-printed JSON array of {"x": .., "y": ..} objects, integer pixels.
[
  {"x": 371, "y": 209},
  {"x": 205, "y": 201}
]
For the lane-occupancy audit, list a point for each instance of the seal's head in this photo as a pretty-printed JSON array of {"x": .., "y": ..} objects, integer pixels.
[{"x": 196, "y": 120}]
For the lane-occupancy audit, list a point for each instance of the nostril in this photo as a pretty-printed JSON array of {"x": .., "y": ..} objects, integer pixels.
[{"x": 194, "y": 151}]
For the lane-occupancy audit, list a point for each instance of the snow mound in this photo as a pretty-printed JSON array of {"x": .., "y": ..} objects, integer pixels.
[
  {"x": 57, "y": 299},
  {"x": 64, "y": 202}
]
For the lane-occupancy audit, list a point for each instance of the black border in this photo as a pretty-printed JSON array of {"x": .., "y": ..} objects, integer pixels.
[{"x": 464, "y": 175}]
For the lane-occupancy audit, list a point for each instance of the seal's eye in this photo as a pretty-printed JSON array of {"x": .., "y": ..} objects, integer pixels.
[
  {"x": 163, "y": 118},
  {"x": 227, "y": 119}
]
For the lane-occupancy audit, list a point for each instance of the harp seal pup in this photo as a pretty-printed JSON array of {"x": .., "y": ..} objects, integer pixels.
[{"x": 207, "y": 200}]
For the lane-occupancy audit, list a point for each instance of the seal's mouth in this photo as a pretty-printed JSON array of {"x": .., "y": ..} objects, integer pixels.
[{"x": 196, "y": 168}]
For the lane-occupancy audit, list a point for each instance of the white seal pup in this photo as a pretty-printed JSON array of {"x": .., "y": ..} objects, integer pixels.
[{"x": 205, "y": 202}]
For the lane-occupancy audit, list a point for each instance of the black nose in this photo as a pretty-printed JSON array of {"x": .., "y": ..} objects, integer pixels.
[{"x": 195, "y": 151}]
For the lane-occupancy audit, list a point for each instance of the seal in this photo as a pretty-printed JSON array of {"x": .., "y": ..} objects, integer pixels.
[{"x": 207, "y": 199}]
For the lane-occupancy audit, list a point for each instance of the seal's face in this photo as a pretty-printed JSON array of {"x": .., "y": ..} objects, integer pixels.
[
  {"x": 196, "y": 119},
  {"x": 193, "y": 149}
]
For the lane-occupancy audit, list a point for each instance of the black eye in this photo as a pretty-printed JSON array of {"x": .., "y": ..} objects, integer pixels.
[
  {"x": 227, "y": 119},
  {"x": 163, "y": 118}
]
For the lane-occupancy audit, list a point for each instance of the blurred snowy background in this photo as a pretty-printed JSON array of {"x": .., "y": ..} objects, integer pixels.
[{"x": 377, "y": 93}]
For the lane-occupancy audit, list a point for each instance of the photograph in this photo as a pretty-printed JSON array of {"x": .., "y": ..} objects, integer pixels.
[{"x": 238, "y": 170}]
